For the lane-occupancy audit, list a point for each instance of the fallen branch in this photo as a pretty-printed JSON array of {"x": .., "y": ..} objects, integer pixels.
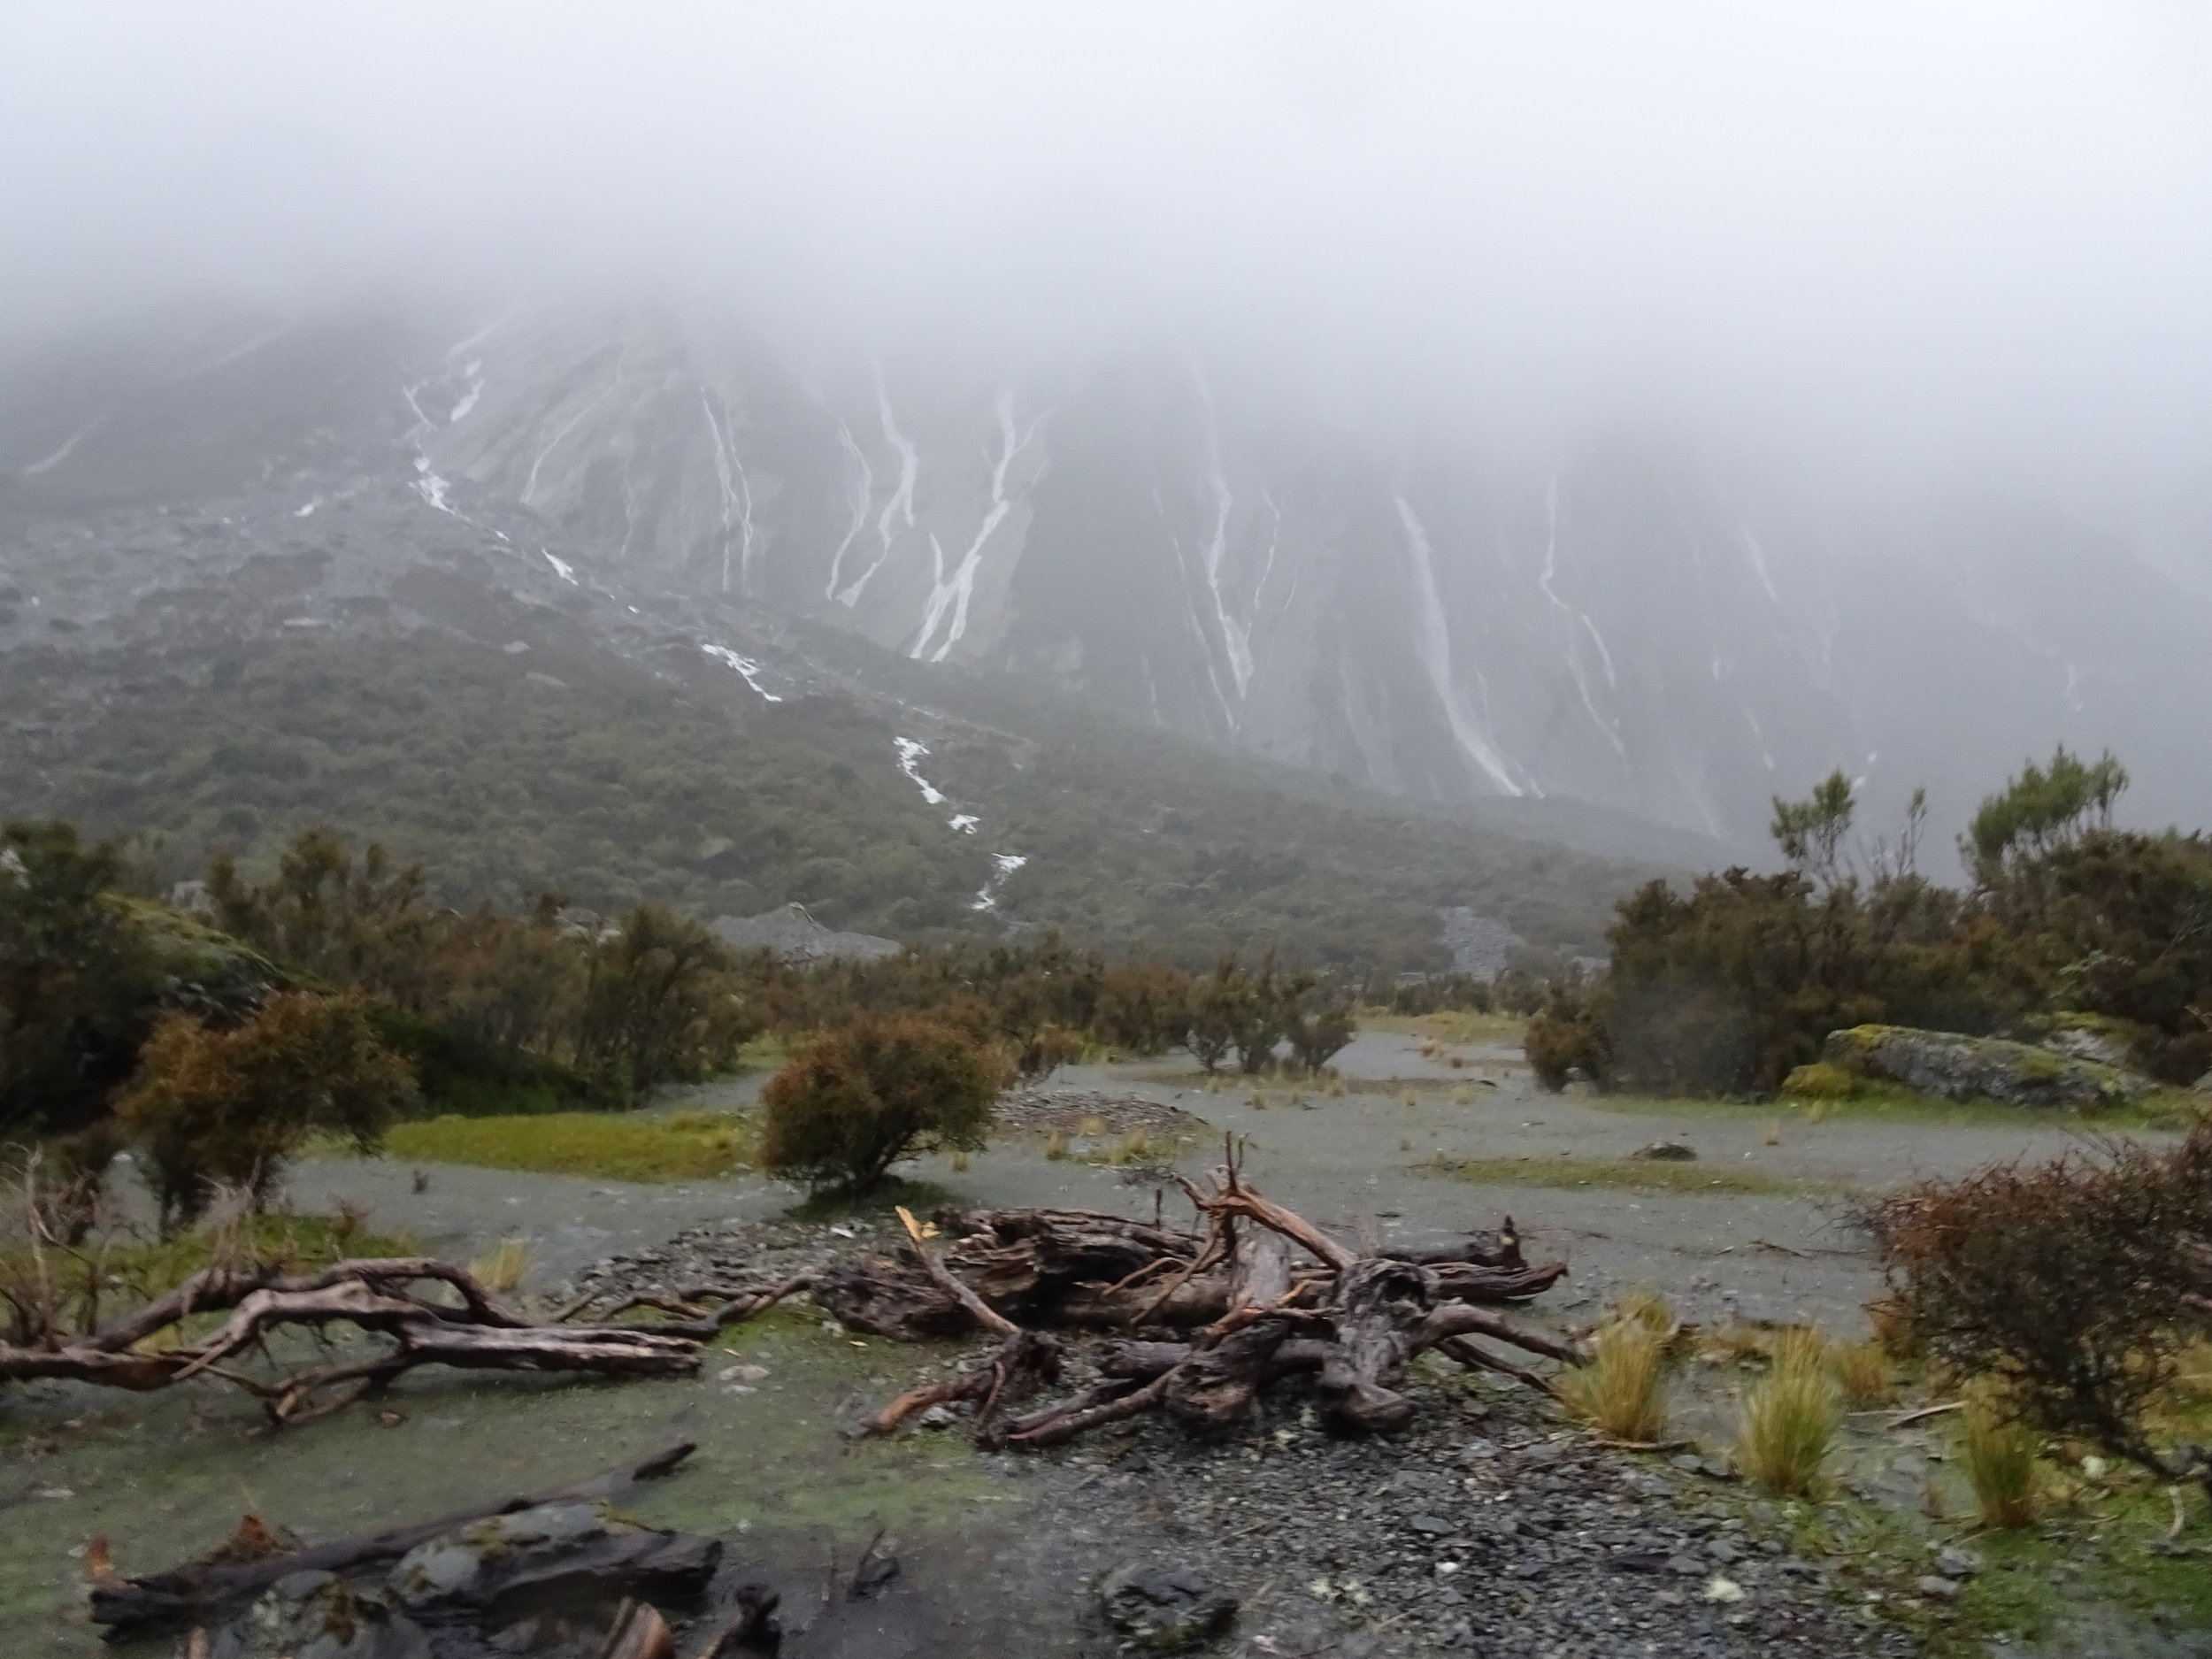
[{"x": 387, "y": 1297}]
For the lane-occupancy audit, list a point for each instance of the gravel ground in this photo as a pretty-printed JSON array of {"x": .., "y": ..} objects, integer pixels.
[
  {"x": 1486, "y": 1529},
  {"x": 1037, "y": 1111}
]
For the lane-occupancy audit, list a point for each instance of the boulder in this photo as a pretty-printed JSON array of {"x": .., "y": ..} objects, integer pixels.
[
  {"x": 1667, "y": 1152},
  {"x": 562, "y": 1554},
  {"x": 1956, "y": 1067},
  {"x": 1165, "y": 1609}
]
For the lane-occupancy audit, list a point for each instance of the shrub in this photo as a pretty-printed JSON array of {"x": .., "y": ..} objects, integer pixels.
[
  {"x": 1789, "y": 1424},
  {"x": 2064, "y": 1281},
  {"x": 77, "y": 983},
  {"x": 210, "y": 1106},
  {"x": 1567, "y": 1034},
  {"x": 1622, "y": 1391},
  {"x": 1998, "y": 1456},
  {"x": 854, "y": 1101}
]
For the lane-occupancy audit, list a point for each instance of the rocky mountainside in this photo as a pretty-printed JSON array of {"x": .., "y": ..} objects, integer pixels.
[
  {"x": 248, "y": 589},
  {"x": 1625, "y": 626}
]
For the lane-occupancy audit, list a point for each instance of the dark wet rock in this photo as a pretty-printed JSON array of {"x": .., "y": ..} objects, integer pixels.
[
  {"x": 1667, "y": 1152},
  {"x": 1165, "y": 1609},
  {"x": 315, "y": 1616},
  {"x": 1954, "y": 1067},
  {"x": 562, "y": 1554}
]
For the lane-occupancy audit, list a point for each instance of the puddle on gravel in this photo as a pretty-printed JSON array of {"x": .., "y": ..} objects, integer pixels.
[{"x": 166, "y": 1477}]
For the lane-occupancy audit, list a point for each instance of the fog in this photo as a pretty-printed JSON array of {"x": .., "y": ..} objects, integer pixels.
[{"x": 1973, "y": 234}]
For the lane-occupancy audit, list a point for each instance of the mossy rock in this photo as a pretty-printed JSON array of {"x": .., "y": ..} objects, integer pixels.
[
  {"x": 1823, "y": 1079},
  {"x": 1953, "y": 1066}
]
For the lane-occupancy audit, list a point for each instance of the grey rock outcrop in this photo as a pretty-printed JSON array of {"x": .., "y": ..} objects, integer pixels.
[
  {"x": 792, "y": 935},
  {"x": 1953, "y": 1066},
  {"x": 1479, "y": 944}
]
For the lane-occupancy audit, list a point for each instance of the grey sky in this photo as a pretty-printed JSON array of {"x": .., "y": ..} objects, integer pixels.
[{"x": 1926, "y": 229}]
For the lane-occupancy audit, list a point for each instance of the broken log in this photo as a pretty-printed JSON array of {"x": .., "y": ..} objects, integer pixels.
[{"x": 201, "y": 1589}]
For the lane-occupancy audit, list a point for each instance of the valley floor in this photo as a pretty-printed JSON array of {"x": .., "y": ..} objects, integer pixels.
[{"x": 997, "y": 1549}]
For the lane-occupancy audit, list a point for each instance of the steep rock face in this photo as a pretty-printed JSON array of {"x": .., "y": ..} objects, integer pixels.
[{"x": 1624, "y": 624}]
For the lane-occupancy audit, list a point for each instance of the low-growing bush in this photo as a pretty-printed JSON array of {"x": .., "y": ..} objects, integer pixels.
[
  {"x": 2064, "y": 1281},
  {"x": 856, "y": 1101}
]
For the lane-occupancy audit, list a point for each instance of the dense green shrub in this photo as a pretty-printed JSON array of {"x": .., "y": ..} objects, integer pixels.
[
  {"x": 856, "y": 1101},
  {"x": 230, "y": 1107}
]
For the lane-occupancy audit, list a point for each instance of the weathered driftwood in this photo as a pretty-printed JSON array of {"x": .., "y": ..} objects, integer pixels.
[
  {"x": 1257, "y": 1295},
  {"x": 390, "y": 1297},
  {"x": 249, "y": 1562},
  {"x": 1023, "y": 1362}
]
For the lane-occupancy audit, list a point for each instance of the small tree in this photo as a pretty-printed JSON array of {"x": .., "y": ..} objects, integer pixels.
[
  {"x": 1217, "y": 1013},
  {"x": 658, "y": 1003},
  {"x": 856, "y": 1101},
  {"x": 1318, "y": 1026},
  {"x": 231, "y": 1106}
]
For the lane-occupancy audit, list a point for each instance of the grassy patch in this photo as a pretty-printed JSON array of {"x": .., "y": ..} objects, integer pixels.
[
  {"x": 1647, "y": 1175},
  {"x": 1447, "y": 1026},
  {"x": 681, "y": 1147}
]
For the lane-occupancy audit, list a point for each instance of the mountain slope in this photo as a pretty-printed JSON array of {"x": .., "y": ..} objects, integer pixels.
[{"x": 1627, "y": 624}]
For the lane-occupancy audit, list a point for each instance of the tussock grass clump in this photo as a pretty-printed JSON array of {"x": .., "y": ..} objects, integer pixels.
[
  {"x": 1998, "y": 1458},
  {"x": 1057, "y": 1146},
  {"x": 1788, "y": 1429},
  {"x": 1621, "y": 1393},
  {"x": 1798, "y": 1348},
  {"x": 1863, "y": 1372},
  {"x": 1133, "y": 1147},
  {"x": 1648, "y": 1308},
  {"x": 501, "y": 1270},
  {"x": 1336, "y": 1090},
  {"x": 1772, "y": 1135},
  {"x": 685, "y": 1146},
  {"x": 960, "y": 1160},
  {"x": 1463, "y": 1095},
  {"x": 1091, "y": 1128}
]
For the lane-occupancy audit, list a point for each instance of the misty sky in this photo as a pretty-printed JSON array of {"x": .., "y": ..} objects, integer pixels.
[{"x": 1982, "y": 227}]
